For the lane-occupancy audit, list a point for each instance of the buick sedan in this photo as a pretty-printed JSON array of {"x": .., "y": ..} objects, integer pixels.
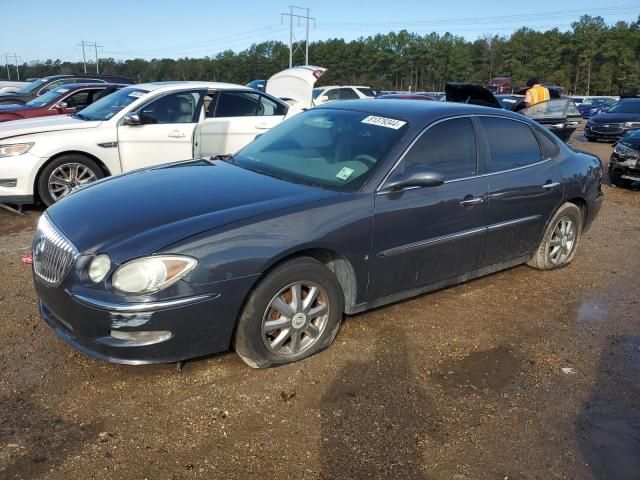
[{"x": 338, "y": 210}]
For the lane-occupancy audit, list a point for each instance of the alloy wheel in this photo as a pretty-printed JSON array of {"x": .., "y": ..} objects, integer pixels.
[
  {"x": 68, "y": 177},
  {"x": 295, "y": 318},
  {"x": 562, "y": 241}
]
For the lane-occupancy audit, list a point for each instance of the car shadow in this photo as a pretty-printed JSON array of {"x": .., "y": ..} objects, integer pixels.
[
  {"x": 34, "y": 439},
  {"x": 608, "y": 427},
  {"x": 377, "y": 418}
]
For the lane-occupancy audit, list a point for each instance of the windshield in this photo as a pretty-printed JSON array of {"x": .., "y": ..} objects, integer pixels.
[
  {"x": 597, "y": 101},
  {"x": 47, "y": 98},
  {"x": 508, "y": 103},
  {"x": 628, "y": 106},
  {"x": 108, "y": 106},
  {"x": 317, "y": 91},
  {"x": 333, "y": 149},
  {"x": 367, "y": 92},
  {"x": 27, "y": 89}
]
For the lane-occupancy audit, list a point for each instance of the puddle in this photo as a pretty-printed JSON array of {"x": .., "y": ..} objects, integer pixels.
[
  {"x": 491, "y": 370},
  {"x": 591, "y": 310},
  {"x": 608, "y": 427}
]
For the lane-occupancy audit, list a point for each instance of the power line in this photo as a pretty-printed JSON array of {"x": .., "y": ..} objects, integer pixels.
[{"x": 292, "y": 38}]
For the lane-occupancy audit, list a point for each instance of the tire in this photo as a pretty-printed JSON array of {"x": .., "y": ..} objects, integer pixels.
[
  {"x": 557, "y": 248},
  {"x": 272, "y": 317},
  {"x": 87, "y": 171}
]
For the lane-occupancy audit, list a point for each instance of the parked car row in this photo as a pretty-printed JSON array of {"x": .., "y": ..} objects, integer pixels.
[{"x": 137, "y": 126}]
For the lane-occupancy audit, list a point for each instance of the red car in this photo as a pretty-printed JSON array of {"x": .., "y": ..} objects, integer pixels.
[{"x": 59, "y": 101}]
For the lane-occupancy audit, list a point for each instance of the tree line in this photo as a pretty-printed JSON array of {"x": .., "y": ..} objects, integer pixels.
[{"x": 591, "y": 58}]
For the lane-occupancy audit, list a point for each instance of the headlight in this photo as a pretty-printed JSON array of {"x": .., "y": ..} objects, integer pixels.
[
  {"x": 150, "y": 274},
  {"x": 632, "y": 124},
  {"x": 13, "y": 149},
  {"x": 99, "y": 267}
]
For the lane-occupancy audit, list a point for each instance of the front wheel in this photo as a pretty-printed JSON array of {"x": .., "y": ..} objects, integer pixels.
[
  {"x": 65, "y": 174},
  {"x": 293, "y": 313},
  {"x": 560, "y": 240}
]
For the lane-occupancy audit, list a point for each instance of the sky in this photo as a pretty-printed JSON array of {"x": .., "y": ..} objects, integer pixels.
[{"x": 42, "y": 29}]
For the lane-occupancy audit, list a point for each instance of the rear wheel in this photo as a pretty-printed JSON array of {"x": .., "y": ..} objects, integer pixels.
[
  {"x": 293, "y": 313},
  {"x": 560, "y": 240},
  {"x": 65, "y": 174}
]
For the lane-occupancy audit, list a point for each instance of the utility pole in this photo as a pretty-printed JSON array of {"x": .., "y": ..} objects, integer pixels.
[
  {"x": 15, "y": 62},
  {"x": 95, "y": 46},
  {"x": 292, "y": 37}
]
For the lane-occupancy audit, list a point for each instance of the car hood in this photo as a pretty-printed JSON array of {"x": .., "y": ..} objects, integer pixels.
[
  {"x": 13, "y": 108},
  {"x": 143, "y": 211},
  {"x": 43, "y": 124},
  {"x": 470, "y": 93},
  {"x": 604, "y": 117},
  {"x": 295, "y": 85}
]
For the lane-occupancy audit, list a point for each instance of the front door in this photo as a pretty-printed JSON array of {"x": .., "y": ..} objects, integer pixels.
[
  {"x": 429, "y": 234},
  {"x": 167, "y": 131},
  {"x": 234, "y": 119},
  {"x": 524, "y": 188}
]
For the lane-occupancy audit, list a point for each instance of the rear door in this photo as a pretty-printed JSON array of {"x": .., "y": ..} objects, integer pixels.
[
  {"x": 234, "y": 118},
  {"x": 167, "y": 132},
  {"x": 429, "y": 234},
  {"x": 524, "y": 187}
]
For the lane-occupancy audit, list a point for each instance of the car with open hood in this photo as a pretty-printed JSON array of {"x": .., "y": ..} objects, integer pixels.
[
  {"x": 624, "y": 164},
  {"x": 345, "y": 207},
  {"x": 63, "y": 100},
  {"x": 140, "y": 126},
  {"x": 559, "y": 114},
  {"x": 8, "y": 86},
  {"x": 43, "y": 85},
  {"x": 615, "y": 122}
]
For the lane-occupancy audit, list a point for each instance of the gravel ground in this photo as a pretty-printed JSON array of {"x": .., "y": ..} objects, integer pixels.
[{"x": 464, "y": 383}]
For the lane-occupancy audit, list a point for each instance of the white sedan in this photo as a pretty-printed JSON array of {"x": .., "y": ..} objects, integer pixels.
[{"x": 140, "y": 126}]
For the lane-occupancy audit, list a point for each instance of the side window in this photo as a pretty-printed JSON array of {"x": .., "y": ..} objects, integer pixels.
[
  {"x": 348, "y": 94},
  {"x": 549, "y": 147},
  {"x": 178, "y": 107},
  {"x": 448, "y": 148},
  {"x": 333, "y": 94},
  {"x": 237, "y": 104},
  {"x": 78, "y": 100},
  {"x": 98, "y": 94},
  {"x": 511, "y": 144},
  {"x": 268, "y": 107}
]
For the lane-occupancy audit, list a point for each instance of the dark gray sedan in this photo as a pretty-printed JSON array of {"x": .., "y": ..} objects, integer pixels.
[{"x": 338, "y": 210}]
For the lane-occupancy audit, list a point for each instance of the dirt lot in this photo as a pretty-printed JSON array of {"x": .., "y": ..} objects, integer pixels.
[{"x": 466, "y": 383}]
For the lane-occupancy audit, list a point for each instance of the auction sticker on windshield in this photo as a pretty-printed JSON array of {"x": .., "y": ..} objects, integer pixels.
[
  {"x": 384, "y": 122},
  {"x": 345, "y": 173}
]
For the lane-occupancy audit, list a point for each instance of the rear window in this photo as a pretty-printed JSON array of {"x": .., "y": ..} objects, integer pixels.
[
  {"x": 511, "y": 144},
  {"x": 366, "y": 91}
]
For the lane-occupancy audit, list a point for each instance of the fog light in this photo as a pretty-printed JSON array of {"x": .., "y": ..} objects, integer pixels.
[
  {"x": 99, "y": 267},
  {"x": 139, "y": 339}
]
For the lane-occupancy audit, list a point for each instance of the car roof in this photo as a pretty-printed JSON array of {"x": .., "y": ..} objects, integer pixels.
[
  {"x": 344, "y": 86},
  {"x": 73, "y": 86},
  {"x": 181, "y": 85},
  {"x": 420, "y": 112}
]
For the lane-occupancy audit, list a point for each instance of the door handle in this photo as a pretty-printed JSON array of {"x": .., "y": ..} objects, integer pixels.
[
  {"x": 262, "y": 126},
  {"x": 176, "y": 134},
  {"x": 470, "y": 202},
  {"x": 549, "y": 185}
]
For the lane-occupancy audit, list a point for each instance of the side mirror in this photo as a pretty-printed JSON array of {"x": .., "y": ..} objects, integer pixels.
[
  {"x": 132, "y": 119},
  {"x": 61, "y": 105},
  {"x": 416, "y": 176}
]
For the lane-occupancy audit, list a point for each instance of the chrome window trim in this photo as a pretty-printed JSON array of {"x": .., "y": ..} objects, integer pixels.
[
  {"x": 379, "y": 190},
  {"x": 52, "y": 107}
]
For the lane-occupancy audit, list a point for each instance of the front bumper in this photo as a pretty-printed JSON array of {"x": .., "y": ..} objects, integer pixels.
[
  {"x": 20, "y": 171},
  {"x": 201, "y": 325},
  {"x": 624, "y": 168},
  {"x": 596, "y": 132}
]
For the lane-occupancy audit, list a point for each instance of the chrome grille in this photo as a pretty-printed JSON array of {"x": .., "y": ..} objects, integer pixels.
[{"x": 53, "y": 253}]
